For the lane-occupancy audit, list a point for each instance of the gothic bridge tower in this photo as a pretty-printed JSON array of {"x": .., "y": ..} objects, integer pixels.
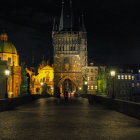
[{"x": 70, "y": 51}]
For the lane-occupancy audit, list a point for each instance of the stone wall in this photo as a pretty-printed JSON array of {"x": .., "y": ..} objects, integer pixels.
[
  {"x": 126, "y": 107},
  {"x": 7, "y": 104}
]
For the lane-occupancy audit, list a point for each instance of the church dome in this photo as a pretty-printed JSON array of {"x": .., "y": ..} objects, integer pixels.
[{"x": 5, "y": 46}]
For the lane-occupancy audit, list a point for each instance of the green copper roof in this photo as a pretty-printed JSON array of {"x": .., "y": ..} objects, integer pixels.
[{"x": 6, "y": 47}]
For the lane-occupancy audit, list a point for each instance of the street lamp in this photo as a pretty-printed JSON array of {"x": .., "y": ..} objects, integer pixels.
[
  {"x": 85, "y": 82},
  {"x": 113, "y": 73},
  {"x": 41, "y": 83},
  {"x": 7, "y": 73}
]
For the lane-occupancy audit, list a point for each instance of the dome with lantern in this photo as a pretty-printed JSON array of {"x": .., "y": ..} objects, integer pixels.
[{"x": 5, "y": 46}]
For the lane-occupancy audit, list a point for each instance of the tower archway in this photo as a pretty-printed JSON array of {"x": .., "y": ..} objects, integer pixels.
[{"x": 69, "y": 84}]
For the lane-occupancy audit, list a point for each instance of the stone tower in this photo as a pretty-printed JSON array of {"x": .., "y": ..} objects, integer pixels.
[{"x": 70, "y": 51}]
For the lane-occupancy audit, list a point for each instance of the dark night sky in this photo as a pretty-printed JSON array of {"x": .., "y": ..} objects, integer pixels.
[{"x": 113, "y": 28}]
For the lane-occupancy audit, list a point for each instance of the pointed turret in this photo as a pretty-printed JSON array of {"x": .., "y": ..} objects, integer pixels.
[
  {"x": 54, "y": 30},
  {"x": 54, "y": 26},
  {"x": 82, "y": 24},
  {"x": 66, "y": 23}
]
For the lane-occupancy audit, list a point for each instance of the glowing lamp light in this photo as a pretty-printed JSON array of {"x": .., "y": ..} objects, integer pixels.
[
  {"x": 7, "y": 72},
  {"x": 41, "y": 83},
  {"x": 85, "y": 82},
  {"x": 112, "y": 73},
  {"x": 80, "y": 88}
]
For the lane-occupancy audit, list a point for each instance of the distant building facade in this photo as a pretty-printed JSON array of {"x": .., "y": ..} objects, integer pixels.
[
  {"x": 122, "y": 86},
  {"x": 70, "y": 51},
  {"x": 91, "y": 78},
  {"x": 44, "y": 76},
  {"x": 9, "y": 54}
]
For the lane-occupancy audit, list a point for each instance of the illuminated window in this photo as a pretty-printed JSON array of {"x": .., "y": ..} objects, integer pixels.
[
  {"x": 133, "y": 84},
  {"x": 92, "y": 87},
  {"x": 122, "y": 76},
  {"x": 119, "y": 77},
  {"x": 129, "y": 77},
  {"x": 88, "y": 78},
  {"x": 138, "y": 84},
  {"x": 96, "y": 87},
  {"x": 132, "y": 77},
  {"x": 125, "y": 76}
]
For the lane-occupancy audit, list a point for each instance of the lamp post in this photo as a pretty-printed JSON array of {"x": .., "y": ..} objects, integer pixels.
[
  {"x": 113, "y": 73},
  {"x": 42, "y": 87},
  {"x": 85, "y": 87},
  {"x": 7, "y": 73}
]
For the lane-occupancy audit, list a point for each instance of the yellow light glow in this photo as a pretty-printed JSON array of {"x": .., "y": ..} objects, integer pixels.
[
  {"x": 118, "y": 76},
  {"x": 112, "y": 73},
  {"x": 85, "y": 82},
  {"x": 41, "y": 83},
  {"x": 96, "y": 87},
  {"x": 7, "y": 72},
  {"x": 125, "y": 76},
  {"x": 80, "y": 88}
]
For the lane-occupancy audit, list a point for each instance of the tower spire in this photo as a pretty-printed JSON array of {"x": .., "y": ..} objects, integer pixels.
[
  {"x": 54, "y": 25},
  {"x": 66, "y": 23},
  {"x": 82, "y": 24}
]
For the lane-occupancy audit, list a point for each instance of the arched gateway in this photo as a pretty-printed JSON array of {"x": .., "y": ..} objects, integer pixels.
[
  {"x": 70, "y": 51},
  {"x": 69, "y": 84}
]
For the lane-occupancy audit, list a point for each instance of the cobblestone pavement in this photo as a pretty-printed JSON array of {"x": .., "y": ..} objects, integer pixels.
[{"x": 44, "y": 119}]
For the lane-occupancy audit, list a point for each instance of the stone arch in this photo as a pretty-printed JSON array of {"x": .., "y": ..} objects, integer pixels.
[{"x": 67, "y": 77}]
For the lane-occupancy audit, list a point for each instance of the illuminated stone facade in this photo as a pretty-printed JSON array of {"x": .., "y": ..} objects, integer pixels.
[
  {"x": 91, "y": 78},
  {"x": 45, "y": 76},
  {"x": 9, "y": 54},
  {"x": 70, "y": 52}
]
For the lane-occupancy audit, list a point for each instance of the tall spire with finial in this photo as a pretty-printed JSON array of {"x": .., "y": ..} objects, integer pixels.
[
  {"x": 54, "y": 26},
  {"x": 82, "y": 24},
  {"x": 66, "y": 23}
]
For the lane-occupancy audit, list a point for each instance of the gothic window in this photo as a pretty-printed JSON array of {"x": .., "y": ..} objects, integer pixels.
[{"x": 60, "y": 48}]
